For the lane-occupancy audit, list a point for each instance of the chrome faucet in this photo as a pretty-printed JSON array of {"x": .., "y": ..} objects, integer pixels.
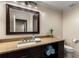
[
  {"x": 29, "y": 40},
  {"x": 33, "y": 37}
]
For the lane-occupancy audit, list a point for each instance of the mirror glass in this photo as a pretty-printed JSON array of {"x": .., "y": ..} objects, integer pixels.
[{"x": 22, "y": 20}]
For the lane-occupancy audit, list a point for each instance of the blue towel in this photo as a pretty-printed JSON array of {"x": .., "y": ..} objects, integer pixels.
[{"x": 50, "y": 50}]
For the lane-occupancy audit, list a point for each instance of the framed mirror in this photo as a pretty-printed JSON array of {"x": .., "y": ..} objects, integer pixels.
[{"x": 21, "y": 21}]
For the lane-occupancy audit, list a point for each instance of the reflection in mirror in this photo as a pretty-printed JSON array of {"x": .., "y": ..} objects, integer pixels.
[
  {"x": 21, "y": 25},
  {"x": 23, "y": 20}
]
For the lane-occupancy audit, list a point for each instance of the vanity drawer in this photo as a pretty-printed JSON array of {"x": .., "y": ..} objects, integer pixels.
[{"x": 16, "y": 54}]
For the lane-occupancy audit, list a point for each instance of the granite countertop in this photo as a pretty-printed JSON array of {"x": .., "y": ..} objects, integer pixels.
[{"x": 6, "y": 47}]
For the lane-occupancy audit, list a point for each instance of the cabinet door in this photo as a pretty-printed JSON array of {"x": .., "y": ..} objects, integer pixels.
[
  {"x": 61, "y": 49},
  {"x": 54, "y": 46},
  {"x": 35, "y": 52}
]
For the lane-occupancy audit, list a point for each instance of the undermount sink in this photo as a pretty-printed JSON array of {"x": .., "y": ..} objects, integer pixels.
[
  {"x": 28, "y": 42},
  {"x": 25, "y": 44}
]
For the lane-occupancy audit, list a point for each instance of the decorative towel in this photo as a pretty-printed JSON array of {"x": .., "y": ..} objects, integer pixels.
[{"x": 50, "y": 50}]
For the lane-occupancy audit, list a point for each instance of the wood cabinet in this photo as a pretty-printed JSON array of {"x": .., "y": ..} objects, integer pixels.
[{"x": 37, "y": 52}]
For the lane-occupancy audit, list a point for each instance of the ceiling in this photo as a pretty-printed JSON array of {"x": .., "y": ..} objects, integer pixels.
[{"x": 60, "y": 5}]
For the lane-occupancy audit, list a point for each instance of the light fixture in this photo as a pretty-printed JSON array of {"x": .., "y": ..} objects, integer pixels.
[
  {"x": 23, "y": 3},
  {"x": 31, "y": 4},
  {"x": 35, "y": 7},
  {"x": 15, "y": 1}
]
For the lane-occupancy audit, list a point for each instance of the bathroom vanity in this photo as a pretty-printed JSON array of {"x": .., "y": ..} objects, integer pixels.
[
  {"x": 24, "y": 21},
  {"x": 10, "y": 49}
]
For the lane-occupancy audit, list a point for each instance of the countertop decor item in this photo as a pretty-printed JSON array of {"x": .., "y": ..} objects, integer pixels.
[{"x": 51, "y": 32}]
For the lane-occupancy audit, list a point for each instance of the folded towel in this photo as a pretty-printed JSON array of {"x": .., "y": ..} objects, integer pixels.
[{"x": 50, "y": 50}]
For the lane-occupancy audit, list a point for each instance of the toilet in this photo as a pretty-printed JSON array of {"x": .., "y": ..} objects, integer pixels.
[{"x": 68, "y": 51}]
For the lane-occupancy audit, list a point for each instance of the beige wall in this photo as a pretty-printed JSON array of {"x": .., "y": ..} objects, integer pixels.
[
  {"x": 71, "y": 27},
  {"x": 49, "y": 18}
]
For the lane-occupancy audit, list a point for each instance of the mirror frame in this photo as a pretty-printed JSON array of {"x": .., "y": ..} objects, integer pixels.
[{"x": 8, "y": 6}]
